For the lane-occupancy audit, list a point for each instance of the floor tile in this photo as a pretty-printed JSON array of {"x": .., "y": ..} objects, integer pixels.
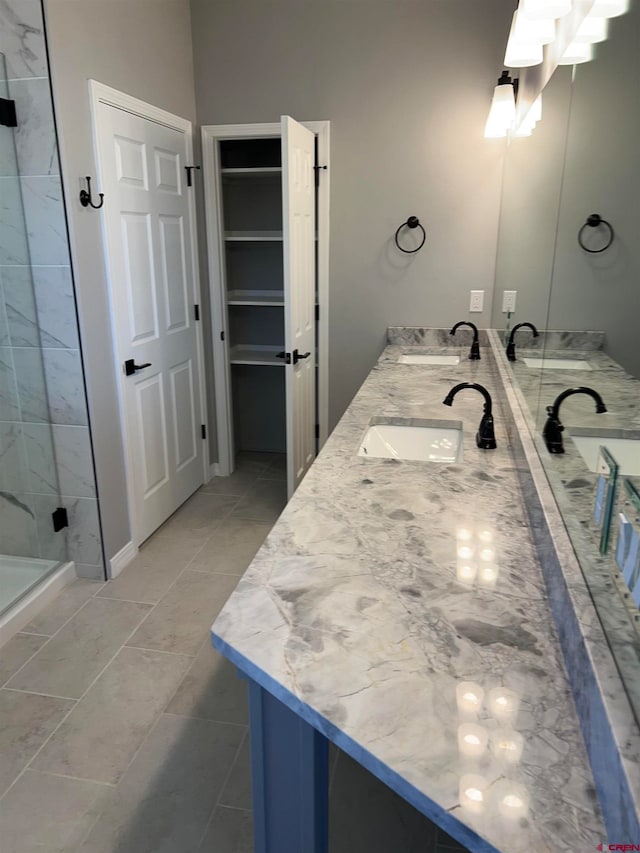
[
  {"x": 264, "y": 502},
  {"x": 201, "y": 512},
  {"x": 255, "y": 459},
  {"x": 101, "y": 735},
  {"x": 155, "y": 568},
  {"x": 237, "y": 483},
  {"x": 232, "y": 546},
  {"x": 49, "y": 814},
  {"x": 212, "y": 690},
  {"x": 27, "y": 721},
  {"x": 163, "y": 803},
  {"x": 277, "y": 470},
  {"x": 237, "y": 791},
  {"x": 17, "y": 652},
  {"x": 77, "y": 654},
  {"x": 365, "y": 816},
  {"x": 230, "y": 831},
  {"x": 181, "y": 621},
  {"x": 68, "y": 602}
]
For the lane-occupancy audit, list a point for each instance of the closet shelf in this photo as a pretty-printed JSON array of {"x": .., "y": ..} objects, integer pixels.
[
  {"x": 255, "y": 297},
  {"x": 258, "y": 355},
  {"x": 253, "y": 236}
]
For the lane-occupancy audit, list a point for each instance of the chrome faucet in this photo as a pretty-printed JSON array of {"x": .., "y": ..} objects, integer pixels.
[
  {"x": 511, "y": 347},
  {"x": 485, "y": 438},
  {"x": 474, "y": 354},
  {"x": 553, "y": 429}
]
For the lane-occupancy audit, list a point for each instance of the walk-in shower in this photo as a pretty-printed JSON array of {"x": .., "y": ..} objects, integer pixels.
[{"x": 30, "y": 548}]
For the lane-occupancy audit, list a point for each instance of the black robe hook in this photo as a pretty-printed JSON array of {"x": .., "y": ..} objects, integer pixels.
[{"x": 85, "y": 196}]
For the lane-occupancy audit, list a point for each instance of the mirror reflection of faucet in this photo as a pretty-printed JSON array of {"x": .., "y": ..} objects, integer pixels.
[
  {"x": 474, "y": 353},
  {"x": 511, "y": 346},
  {"x": 553, "y": 428},
  {"x": 485, "y": 437}
]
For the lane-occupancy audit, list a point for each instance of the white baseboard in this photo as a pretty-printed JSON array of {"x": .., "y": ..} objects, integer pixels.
[
  {"x": 122, "y": 559},
  {"x": 28, "y": 607}
]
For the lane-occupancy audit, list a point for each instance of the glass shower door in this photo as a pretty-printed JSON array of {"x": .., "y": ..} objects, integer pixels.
[{"x": 30, "y": 548}]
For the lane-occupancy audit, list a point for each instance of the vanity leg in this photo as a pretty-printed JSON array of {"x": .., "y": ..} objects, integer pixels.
[{"x": 290, "y": 778}]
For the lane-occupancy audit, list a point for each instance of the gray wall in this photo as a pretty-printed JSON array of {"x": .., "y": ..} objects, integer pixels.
[
  {"x": 142, "y": 47},
  {"x": 602, "y": 175},
  {"x": 45, "y": 449},
  {"x": 406, "y": 85}
]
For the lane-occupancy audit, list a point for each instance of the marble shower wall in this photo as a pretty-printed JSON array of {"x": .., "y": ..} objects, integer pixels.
[{"x": 45, "y": 451}]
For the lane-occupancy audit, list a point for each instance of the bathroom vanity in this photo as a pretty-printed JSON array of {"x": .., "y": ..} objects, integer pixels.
[{"x": 400, "y": 610}]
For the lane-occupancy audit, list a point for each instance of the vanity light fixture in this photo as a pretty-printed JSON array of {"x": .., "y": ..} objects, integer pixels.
[
  {"x": 576, "y": 53},
  {"x": 521, "y": 52},
  {"x": 609, "y": 8},
  {"x": 546, "y": 8},
  {"x": 527, "y": 30},
  {"x": 592, "y": 30},
  {"x": 503, "y": 108}
]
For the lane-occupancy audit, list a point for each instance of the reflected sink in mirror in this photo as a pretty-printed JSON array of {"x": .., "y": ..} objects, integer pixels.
[
  {"x": 626, "y": 451},
  {"x": 420, "y": 441},
  {"x": 557, "y": 363},
  {"x": 429, "y": 359}
]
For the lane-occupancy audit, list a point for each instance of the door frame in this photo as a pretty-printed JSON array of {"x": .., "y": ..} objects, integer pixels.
[
  {"x": 212, "y": 134},
  {"x": 99, "y": 94}
]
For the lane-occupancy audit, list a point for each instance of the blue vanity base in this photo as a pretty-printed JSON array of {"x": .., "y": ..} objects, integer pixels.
[{"x": 290, "y": 778}]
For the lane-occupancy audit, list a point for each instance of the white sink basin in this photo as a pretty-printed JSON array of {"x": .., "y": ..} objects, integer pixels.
[
  {"x": 626, "y": 451},
  {"x": 420, "y": 443},
  {"x": 429, "y": 359},
  {"x": 557, "y": 363}
]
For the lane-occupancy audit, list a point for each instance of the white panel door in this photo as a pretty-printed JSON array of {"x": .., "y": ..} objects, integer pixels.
[
  {"x": 153, "y": 291},
  {"x": 298, "y": 211}
]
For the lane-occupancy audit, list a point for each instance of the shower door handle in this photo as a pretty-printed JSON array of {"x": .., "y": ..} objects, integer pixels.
[{"x": 130, "y": 366}]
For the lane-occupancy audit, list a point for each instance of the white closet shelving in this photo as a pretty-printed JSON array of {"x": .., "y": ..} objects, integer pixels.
[{"x": 260, "y": 192}]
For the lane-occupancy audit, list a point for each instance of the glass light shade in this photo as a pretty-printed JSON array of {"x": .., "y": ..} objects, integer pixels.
[
  {"x": 501, "y": 116},
  {"x": 592, "y": 30},
  {"x": 518, "y": 54},
  {"x": 545, "y": 8},
  {"x": 576, "y": 53},
  {"x": 609, "y": 8},
  {"x": 532, "y": 30}
]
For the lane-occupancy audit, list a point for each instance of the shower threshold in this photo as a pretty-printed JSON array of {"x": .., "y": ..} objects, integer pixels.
[{"x": 19, "y": 575}]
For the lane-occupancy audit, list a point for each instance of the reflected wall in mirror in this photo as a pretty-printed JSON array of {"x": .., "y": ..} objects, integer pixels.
[{"x": 583, "y": 159}]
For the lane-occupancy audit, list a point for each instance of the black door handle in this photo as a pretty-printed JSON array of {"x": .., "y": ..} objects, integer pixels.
[
  {"x": 298, "y": 356},
  {"x": 130, "y": 367}
]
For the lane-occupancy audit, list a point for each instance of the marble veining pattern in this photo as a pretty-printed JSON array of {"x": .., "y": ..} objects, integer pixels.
[
  {"x": 22, "y": 38},
  {"x": 356, "y": 613}
]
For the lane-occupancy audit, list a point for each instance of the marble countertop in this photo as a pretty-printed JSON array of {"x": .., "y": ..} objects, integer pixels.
[{"x": 389, "y": 593}]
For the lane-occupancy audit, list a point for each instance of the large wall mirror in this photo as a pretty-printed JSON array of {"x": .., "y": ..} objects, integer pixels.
[{"x": 583, "y": 159}]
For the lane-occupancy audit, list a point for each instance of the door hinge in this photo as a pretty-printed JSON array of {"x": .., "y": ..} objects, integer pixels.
[
  {"x": 8, "y": 116},
  {"x": 60, "y": 519},
  {"x": 222, "y": 335},
  {"x": 317, "y": 430},
  {"x": 203, "y": 430},
  {"x": 188, "y": 170},
  {"x": 196, "y": 312},
  {"x": 317, "y": 311}
]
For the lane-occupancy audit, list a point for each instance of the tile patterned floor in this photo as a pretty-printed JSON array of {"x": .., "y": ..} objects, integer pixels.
[{"x": 123, "y": 731}]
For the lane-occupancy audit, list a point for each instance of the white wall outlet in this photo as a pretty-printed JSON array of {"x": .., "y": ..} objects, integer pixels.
[
  {"x": 476, "y": 303},
  {"x": 509, "y": 301}
]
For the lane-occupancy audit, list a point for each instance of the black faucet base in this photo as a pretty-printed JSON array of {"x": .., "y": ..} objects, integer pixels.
[{"x": 485, "y": 443}]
